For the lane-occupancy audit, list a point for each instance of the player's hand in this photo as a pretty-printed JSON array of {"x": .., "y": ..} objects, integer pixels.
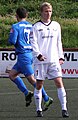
[
  {"x": 41, "y": 57},
  {"x": 61, "y": 62}
]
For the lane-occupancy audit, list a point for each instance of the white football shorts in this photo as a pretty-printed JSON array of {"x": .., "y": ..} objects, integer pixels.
[{"x": 47, "y": 70}]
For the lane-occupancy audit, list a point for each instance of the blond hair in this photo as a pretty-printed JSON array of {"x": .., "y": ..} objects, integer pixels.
[{"x": 45, "y": 4}]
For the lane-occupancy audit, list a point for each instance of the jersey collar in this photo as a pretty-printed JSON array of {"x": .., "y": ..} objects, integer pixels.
[{"x": 44, "y": 23}]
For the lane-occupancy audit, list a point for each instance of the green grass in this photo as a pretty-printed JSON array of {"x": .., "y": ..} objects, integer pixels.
[
  {"x": 64, "y": 11},
  {"x": 69, "y": 30}
]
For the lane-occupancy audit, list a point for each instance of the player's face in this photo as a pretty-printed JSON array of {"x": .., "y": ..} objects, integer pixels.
[{"x": 46, "y": 13}]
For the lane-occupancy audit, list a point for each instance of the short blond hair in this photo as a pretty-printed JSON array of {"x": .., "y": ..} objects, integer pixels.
[{"x": 45, "y": 4}]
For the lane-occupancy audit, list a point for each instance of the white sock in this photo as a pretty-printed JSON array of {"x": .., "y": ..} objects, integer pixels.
[
  {"x": 62, "y": 97},
  {"x": 38, "y": 99}
]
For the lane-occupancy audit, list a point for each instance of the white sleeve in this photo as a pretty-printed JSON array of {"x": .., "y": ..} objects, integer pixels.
[
  {"x": 59, "y": 44},
  {"x": 34, "y": 42}
]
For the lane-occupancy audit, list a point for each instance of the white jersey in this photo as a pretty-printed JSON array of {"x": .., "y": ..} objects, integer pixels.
[{"x": 46, "y": 40}]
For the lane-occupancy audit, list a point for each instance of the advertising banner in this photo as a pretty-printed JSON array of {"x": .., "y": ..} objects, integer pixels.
[
  {"x": 7, "y": 60},
  {"x": 69, "y": 68}
]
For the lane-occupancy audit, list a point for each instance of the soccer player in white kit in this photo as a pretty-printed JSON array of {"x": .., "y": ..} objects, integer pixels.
[{"x": 48, "y": 57}]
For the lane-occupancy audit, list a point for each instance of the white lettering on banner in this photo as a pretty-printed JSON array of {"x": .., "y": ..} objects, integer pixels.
[{"x": 69, "y": 68}]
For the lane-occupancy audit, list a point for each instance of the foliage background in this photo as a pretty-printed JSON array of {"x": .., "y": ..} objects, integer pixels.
[{"x": 64, "y": 11}]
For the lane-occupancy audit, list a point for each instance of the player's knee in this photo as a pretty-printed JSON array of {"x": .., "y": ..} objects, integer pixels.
[
  {"x": 39, "y": 85},
  {"x": 12, "y": 76},
  {"x": 59, "y": 83}
]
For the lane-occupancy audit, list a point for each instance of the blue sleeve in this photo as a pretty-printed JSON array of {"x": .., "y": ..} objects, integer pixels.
[{"x": 13, "y": 35}]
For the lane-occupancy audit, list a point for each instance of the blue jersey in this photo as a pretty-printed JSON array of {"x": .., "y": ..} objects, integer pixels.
[{"x": 19, "y": 37}]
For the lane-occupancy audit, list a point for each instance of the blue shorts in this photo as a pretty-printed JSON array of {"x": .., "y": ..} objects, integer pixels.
[{"x": 24, "y": 64}]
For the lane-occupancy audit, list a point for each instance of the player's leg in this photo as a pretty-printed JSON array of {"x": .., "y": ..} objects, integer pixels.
[
  {"x": 13, "y": 75},
  {"x": 47, "y": 100},
  {"x": 29, "y": 75},
  {"x": 62, "y": 96},
  {"x": 32, "y": 80},
  {"x": 56, "y": 74},
  {"x": 38, "y": 71},
  {"x": 37, "y": 94},
  {"x": 60, "y": 89},
  {"x": 38, "y": 97}
]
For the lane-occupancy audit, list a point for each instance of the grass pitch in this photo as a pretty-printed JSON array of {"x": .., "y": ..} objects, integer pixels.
[{"x": 12, "y": 101}]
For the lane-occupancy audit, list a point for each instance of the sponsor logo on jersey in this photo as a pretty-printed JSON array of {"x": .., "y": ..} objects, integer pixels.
[
  {"x": 40, "y": 30},
  {"x": 47, "y": 36}
]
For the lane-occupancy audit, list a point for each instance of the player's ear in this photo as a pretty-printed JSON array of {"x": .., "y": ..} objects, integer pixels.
[
  {"x": 26, "y": 14},
  {"x": 17, "y": 17}
]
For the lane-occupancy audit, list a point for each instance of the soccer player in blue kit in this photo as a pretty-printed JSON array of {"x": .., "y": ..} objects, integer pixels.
[{"x": 19, "y": 37}]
